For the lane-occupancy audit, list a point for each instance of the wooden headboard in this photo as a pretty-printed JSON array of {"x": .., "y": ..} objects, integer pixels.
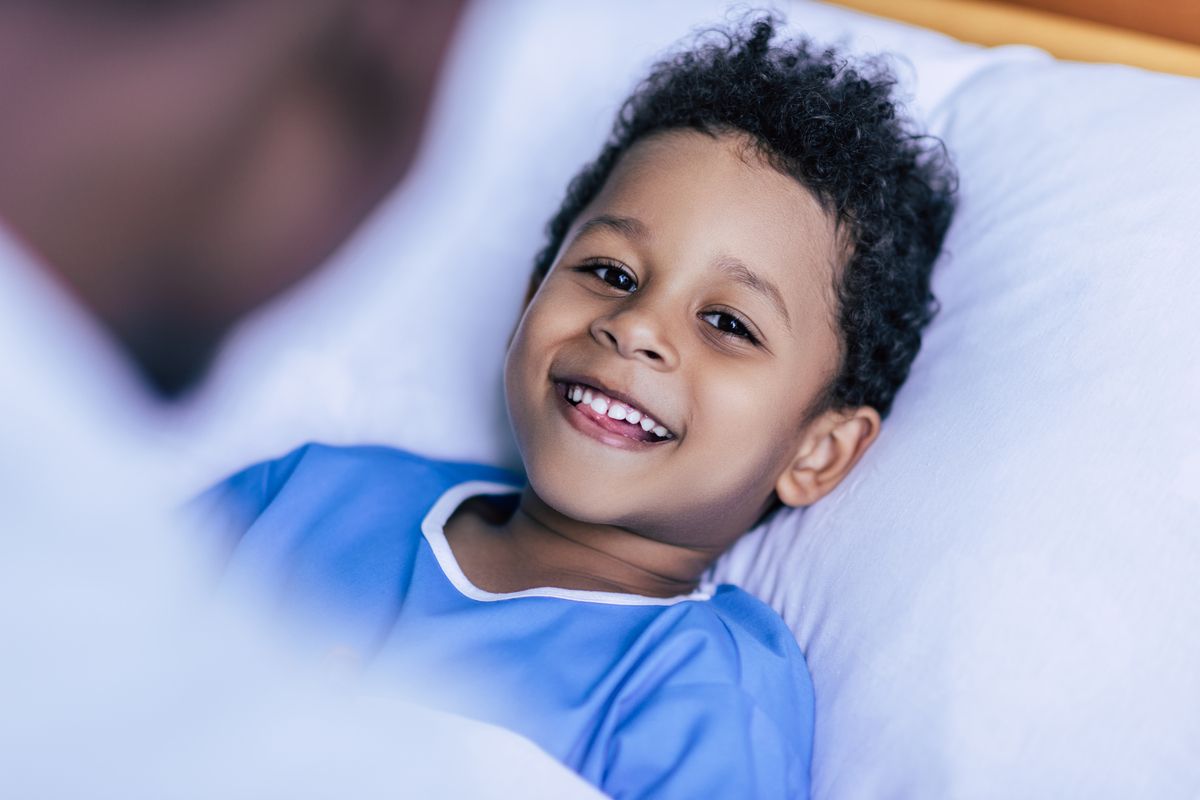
[
  {"x": 1173, "y": 19},
  {"x": 1162, "y": 35}
]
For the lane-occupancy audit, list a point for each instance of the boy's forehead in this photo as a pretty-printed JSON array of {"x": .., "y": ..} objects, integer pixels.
[{"x": 705, "y": 200}]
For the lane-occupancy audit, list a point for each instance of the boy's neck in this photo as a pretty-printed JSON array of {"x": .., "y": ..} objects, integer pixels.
[{"x": 538, "y": 546}]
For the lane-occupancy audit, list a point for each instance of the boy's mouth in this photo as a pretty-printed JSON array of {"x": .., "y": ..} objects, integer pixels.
[{"x": 616, "y": 416}]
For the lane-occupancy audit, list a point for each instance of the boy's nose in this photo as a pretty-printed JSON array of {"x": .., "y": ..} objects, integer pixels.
[{"x": 635, "y": 334}]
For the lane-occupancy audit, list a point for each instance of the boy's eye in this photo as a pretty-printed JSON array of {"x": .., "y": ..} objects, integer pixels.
[
  {"x": 729, "y": 325},
  {"x": 614, "y": 275}
]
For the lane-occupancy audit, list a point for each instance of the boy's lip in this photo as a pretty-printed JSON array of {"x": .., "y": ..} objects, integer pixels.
[{"x": 615, "y": 394}]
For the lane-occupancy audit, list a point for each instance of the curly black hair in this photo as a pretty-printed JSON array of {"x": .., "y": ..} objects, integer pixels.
[{"x": 834, "y": 128}]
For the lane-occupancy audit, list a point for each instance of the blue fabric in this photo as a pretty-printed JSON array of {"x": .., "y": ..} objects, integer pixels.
[{"x": 699, "y": 698}]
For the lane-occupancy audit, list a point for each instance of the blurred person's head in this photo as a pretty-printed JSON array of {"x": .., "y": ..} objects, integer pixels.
[{"x": 176, "y": 163}]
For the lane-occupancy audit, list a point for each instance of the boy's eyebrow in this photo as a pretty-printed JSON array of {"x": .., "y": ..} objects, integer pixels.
[
  {"x": 628, "y": 227},
  {"x": 736, "y": 269}
]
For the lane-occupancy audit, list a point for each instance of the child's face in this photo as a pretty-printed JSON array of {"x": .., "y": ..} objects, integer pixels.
[{"x": 697, "y": 289}]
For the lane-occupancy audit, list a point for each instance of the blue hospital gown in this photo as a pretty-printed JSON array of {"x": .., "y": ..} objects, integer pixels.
[{"x": 704, "y": 696}]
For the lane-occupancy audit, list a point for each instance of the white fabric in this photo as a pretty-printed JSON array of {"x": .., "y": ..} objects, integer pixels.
[
  {"x": 121, "y": 676},
  {"x": 1001, "y": 601}
]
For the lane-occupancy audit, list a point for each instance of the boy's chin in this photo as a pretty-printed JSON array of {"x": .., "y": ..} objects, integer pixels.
[{"x": 588, "y": 498}]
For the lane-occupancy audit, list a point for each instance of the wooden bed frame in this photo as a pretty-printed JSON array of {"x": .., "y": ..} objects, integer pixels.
[{"x": 1109, "y": 31}]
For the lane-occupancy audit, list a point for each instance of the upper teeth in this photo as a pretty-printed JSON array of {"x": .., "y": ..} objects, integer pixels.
[{"x": 613, "y": 409}]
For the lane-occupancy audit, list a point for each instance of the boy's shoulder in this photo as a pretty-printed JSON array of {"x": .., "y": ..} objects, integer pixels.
[
  {"x": 370, "y": 465},
  {"x": 360, "y": 486},
  {"x": 748, "y": 619},
  {"x": 323, "y": 471},
  {"x": 727, "y": 666},
  {"x": 734, "y": 644},
  {"x": 748, "y": 640}
]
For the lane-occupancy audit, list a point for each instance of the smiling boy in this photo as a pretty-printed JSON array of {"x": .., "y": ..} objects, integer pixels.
[{"x": 730, "y": 296}]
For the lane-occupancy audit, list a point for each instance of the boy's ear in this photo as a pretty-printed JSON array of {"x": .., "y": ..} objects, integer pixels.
[{"x": 830, "y": 446}]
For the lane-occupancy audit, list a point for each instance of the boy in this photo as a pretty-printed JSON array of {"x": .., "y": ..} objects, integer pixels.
[{"x": 730, "y": 296}]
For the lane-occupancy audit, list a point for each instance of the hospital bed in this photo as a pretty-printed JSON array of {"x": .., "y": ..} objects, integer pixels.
[{"x": 1001, "y": 600}]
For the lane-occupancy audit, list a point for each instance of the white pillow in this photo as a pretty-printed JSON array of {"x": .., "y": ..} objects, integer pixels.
[
  {"x": 1003, "y": 601},
  {"x": 998, "y": 602}
]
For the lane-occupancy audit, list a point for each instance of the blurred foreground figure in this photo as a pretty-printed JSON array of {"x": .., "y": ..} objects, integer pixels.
[
  {"x": 173, "y": 164},
  {"x": 164, "y": 168}
]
